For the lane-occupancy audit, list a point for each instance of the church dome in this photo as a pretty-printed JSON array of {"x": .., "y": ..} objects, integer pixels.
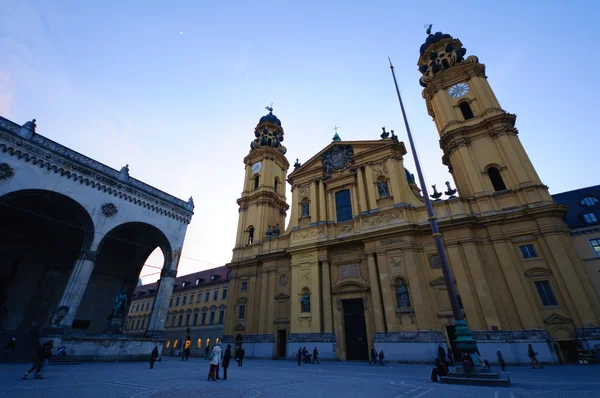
[
  {"x": 433, "y": 38},
  {"x": 270, "y": 118}
]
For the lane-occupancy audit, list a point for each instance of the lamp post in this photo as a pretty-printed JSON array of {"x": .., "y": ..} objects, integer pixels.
[{"x": 464, "y": 340}]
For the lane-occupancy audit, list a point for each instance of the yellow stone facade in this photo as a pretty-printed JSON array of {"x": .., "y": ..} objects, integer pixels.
[{"x": 359, "y": 246}]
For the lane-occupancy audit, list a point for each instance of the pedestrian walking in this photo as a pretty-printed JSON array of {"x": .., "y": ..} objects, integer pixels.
[
  {"x": 153, "y": 357},
  {"x": 381, "y": 357},
  {"x": 185, "y": 354},
  {"x": 373, "y": 357},
  {"x": 242, "y": 353},
  {"x": 300, "y": 352},
  {"x": 206, "y": 352},
  {"x": 533, "y": 356},
  {"x": 500, "y": 359},
  {"x": 215, "y": 359},
  {"x": 43, "y": 354},
  {"x": 316, "y": 356},
  {"x": 226, "y": 359}
]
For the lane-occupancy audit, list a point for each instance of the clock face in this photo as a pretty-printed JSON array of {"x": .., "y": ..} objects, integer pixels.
[
  {"x": 256, "y": 167},
  {"x": 458, "y": 90}
]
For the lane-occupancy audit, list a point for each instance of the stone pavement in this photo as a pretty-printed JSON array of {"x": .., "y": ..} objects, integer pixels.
[{"x": 173, "y": 378}]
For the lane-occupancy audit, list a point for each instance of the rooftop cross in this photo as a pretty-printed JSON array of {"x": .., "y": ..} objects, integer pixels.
[
  {"x": 269, "y": 108},
  {"x": 336, "y": 129},
  {"x": 428, "y": 27}
]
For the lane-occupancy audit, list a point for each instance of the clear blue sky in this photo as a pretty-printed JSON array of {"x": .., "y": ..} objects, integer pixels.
[{"x": 118, "y": 81}]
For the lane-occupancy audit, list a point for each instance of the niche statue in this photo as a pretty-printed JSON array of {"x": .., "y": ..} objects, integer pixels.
[
  {"x": 403, "y": 298},
  {"x": 383, "y": 189},
  {"x": 305, "y": 302},
  {"x": 120, "y": 304}
]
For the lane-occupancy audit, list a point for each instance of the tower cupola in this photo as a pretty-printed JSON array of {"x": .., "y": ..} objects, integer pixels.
[{"x": 268, "y": 133}]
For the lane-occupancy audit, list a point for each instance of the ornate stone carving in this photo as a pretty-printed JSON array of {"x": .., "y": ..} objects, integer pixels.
[
  {"x": 382, "y": 219},
  {"x": 6, "y": 171},
  {"x": 395, "y": 262},
  {"x": 348, "y": 271},
  {"x": 538, "y": 271},
  {"x": 283, "y": 280},
  {"x": 239, "y": 327},
  {"x": 308, "y": 234},
  {"x": 390, "y": 241},
  {"x": 168, "y": 273},
  {"x": 306, "y": 274},
  {"x": 305, "y": 191},
  {"x": 434, "y": 261},
  {"x": 346, "y": 229},
  {"x": 337, "y": 159},
  {"x": 382, "y": 188},
  {"x": 109, "y": 209},
  {"x": 448, "y": 53},
  {"x": 379, "y": 170}
]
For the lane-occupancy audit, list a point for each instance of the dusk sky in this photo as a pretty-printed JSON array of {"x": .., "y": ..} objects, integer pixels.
[{"x": 175, "y": 88}]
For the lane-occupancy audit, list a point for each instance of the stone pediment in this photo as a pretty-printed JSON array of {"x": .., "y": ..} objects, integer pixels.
[
  {"x": 282, "y": 296},
  {"x": 536, "y": 272},
  {"x": 239, "y": 327},
  {"x": 438, "y": 281},
  {"x": 556, "y": 319},
  {"x": 358, "y": 148},
  {"x": 350, "y": 286},
  {"x": 242, "y": 300}
]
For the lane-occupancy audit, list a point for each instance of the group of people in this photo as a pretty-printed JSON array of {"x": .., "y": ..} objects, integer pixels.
[
  {"x": 304, "y": 356},
  {"x": 374, "y": 357},
  {"x": 218, "y": 358}
]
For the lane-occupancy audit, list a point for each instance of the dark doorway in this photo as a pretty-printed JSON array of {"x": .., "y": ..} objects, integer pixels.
[
  {"x": 282, "y": 343},
  {"x": 451, "y": 331},
  {"x": 569, "y": 351},
  {"x": 357, "y": 347}
]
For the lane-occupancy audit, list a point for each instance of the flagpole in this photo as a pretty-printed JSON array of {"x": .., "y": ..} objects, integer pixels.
[{"x": 464, "y": 340}]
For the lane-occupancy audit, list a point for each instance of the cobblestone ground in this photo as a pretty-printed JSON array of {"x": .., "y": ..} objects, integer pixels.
[{"x": 173, "y": 378}]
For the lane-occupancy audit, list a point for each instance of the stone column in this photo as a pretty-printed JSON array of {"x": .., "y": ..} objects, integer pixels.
[
  {"x": 314, "y": 203},
  {"x": 362, "y": 197},
  {"x": 161, "y": 302},
  {"x": 322, "y": 203},
  {"x": 387, "y": 294},
  {"x": 331, "y": 207},
  {"x": 315, "y": 302},
  {"x": 327, "y": 313},
  {"x": 262, "y": 316},
  {"x": 375, "y": 294},
  {"x": 355, "y": 206},
  {"x": 78, "y": 281}
]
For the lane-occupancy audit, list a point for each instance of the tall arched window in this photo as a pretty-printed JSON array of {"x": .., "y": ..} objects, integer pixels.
[
  {"x": 496, "y": 179},
  {"x": 256, "y": 179},
  {"x": 465, "y": 108},
  {"x": 250, "y": 235},
  {"x": 276, "y": 184}
]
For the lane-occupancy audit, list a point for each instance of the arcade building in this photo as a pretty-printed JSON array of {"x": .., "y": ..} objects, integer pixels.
[{"x": 356, "y": 266}]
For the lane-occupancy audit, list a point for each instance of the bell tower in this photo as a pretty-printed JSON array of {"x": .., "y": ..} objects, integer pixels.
[
  {"x": 478, "y": 137},
  {"x": 262, "y": 207}
]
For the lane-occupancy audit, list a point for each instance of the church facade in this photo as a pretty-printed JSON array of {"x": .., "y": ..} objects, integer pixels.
[{"x": 356, "y": 266}]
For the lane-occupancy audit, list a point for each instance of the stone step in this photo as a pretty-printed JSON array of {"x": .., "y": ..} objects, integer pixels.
[
  {"x": 476, "y": 381},
  {"x": 488, "y": 375}
]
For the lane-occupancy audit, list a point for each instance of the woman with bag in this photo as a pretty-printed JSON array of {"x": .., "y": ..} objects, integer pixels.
[
  {"x": 215, "y": 360},
  {"x": 532, "y": 355}
]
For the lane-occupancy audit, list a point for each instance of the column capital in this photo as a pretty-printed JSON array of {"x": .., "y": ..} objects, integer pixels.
[
  {"x": 168, "y": 273},
  {"x": 88, "y": 255}
]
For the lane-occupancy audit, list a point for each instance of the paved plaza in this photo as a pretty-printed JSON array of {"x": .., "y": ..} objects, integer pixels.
[{"x": 173, "y": 378}]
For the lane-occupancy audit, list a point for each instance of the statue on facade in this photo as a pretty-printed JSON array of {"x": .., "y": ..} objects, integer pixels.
[
  {"x": 383, "y": 189},
  {"x": 276, "y": 230},
  {"x": 305, "y": 302},
  {"x": 403, "y": 298},
  {"x": 269, "y": 232},
  {"x": 60, "y": 314},
  {"x": 120, "y": 305},
  {"x": 305, "y": 209}
]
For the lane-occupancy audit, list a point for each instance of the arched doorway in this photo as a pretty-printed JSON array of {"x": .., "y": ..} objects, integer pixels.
[
  {"x": 121, "y": 256},
  {"x": 42, "y": 235}
]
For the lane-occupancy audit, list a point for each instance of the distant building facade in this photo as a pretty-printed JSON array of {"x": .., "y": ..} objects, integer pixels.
[
  {"x": 195, "y": 315},
  {"x": 583, "y": 218}
]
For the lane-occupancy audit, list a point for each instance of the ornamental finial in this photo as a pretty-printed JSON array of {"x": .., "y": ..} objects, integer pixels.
[
  {"x": 428, "y": 28},
  {"x": 269, "y": 108}
]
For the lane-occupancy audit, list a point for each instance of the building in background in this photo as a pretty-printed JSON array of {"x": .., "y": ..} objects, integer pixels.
[
  {"x": 356, "y": 266},
  {"x": 196, "y": 311},
  {"x": 583, "y": 218}
]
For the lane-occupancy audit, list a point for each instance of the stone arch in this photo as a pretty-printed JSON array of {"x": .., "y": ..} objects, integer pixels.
[
  {"x": 121, "y": 254},
  {"x": 562, "y": 333},
  {"x": 494, "y": 174},
  {"x": 43, "y": 235}
]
